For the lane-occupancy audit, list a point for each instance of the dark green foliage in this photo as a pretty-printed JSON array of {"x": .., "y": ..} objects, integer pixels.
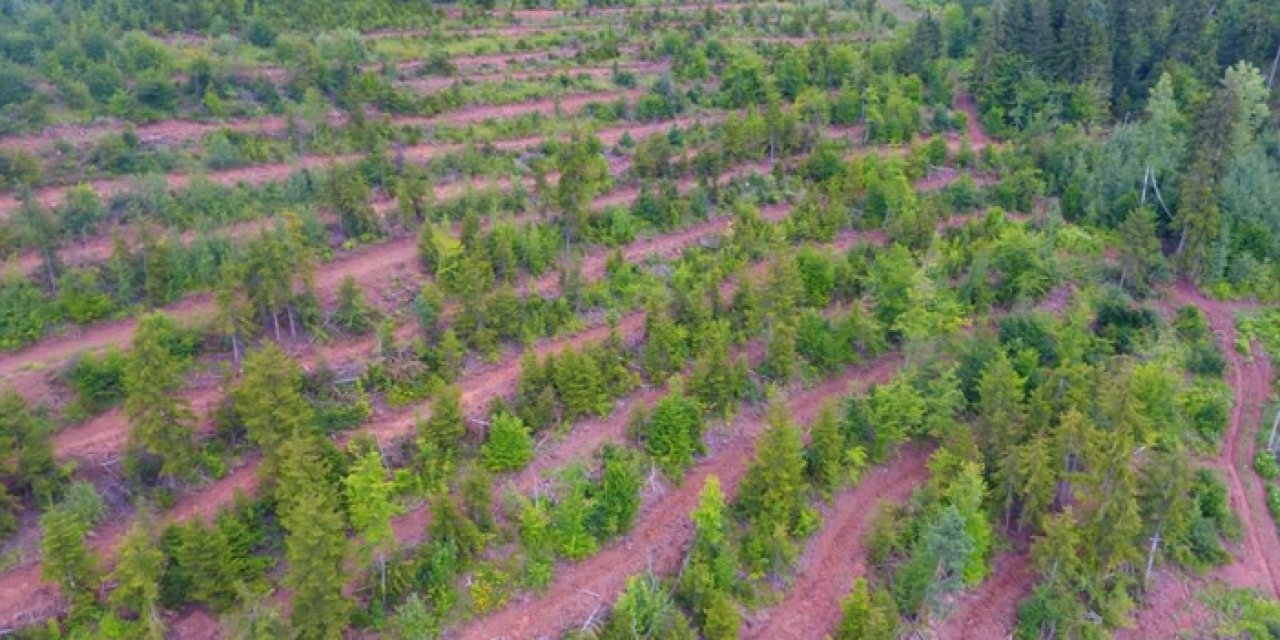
[{"x": 672, "y": 434}]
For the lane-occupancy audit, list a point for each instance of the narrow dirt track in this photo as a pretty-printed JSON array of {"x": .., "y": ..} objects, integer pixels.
[
  {"x": 22, "y": 369},
  {"x": 20, "y": 599},
  {"x": 663, "y": 530},
  {"x": 990, "y": 610},
  {"x": 103, "y": 437},
  {"x": 835, "y": 557},
  {"x": 262, "y": 174},
  {"x": 1171, "y": 607},
  {"x": 1259, "y": 563}
]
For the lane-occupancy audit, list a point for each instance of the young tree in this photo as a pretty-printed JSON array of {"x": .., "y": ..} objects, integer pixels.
[
  {"x": 780, "y": 355},
  {"x": 446, "y": 427},
  {"x": 268, "y": 401},
  {"x": 66, "y": 559},
  {"x": 618, "y": 498},
  {"x": 163, "y": 424},
  {"x": 673, "y": 434},
  {"x": 370, "y": 507},
  {"x": 509, "y": 447},
  {"x": 137, "y": 574},
  {"x": 773, "y": 493},
  {"x": 712, "y": 566},
  {"x": 233, "y": 315},
  {"x": 315, "y": 541},
  {"x": 826, "y": 450},
  {"x": 867, "y": 614},
  {"x": 352, "y": 314},
  {"x": 1140, "y": 254}
]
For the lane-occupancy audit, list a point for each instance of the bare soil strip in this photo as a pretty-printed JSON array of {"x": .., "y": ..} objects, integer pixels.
[
  {"x": 663, "y": 529},
  {"x": 261, "y": 174},
  {"x": 836, "y": 556}
]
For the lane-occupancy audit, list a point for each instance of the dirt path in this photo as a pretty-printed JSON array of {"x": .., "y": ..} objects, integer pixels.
[
  {"x": 480, "y": 388},
  {"x": 25, "y": 369},
  {"x": 1171, "y": 607},
  {"x": 438, "y": 83},
  {"x": 261, "y": 174},
  {"x": 1258, "y": 564},
  {"x": 835, "y": 557},
  {"x": 990, "y": 610},
  {"x": 102, "y": 439},
  {"x": 663, "y": 530}
]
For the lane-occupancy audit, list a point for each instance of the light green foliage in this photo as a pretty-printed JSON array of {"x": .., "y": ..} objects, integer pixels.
[
  {"x": 509, "y": 447},
  {"x": 162, "y": 438}
]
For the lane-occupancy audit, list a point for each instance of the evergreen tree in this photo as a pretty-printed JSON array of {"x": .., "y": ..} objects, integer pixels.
[
  {"x": 269, "y": 403},
  {"x": 137, "y": 574},
  {"x": 352, "y": 314},
  {"x": 163, "y": 424},
  {"x": 509, "y": 447},
  {"x": 1140, "y": 255},
  {"x": 773, "y": 493},
  {"x": 315, "y": 544},
  {"x": 780, "y": 355},
  {"x": 826, "y": 450},
  {"x": 673, "y": 434},
  {"x": 618, "y": 499},
  {"x": 66, "y": 559},
  {"x": 446, "y": 427},
  {"x": 865, "y": 615},
  {"x": 370, "y": 507}
]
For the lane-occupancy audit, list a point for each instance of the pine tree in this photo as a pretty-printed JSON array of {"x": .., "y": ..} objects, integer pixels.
[
  {"x": 256, "y": 619},
  {"x": 865, "y": 616},
  {"x": 446, "y": 427},
  {"x": 579, "y": 384},
  {"x": 370, "y": 507},
  {"x": 826, "y": 450},
  {"x": 428, "y": 249},
  {"x": 233, "y": 316},
  {"x": 1001, "y": 417},
  {"x": 137, "y": 574},
  {"x": 163, "y": 424},
  {"x": 618, "y": 499},
  {"x": 673, "y": 435},
  {"x": 269, "y": 403},
  {"x": 665, "y": 347},
  {"x": 772, "y": 497},
  {"x": 780, "y": 355},
  {"x": 509, "y": 447},
  {"x": 202, "y": 559},
  {"x": 66, "y": 559},
  {"x": 352, "y": 314},
  {"x": 315, "y": 541}
]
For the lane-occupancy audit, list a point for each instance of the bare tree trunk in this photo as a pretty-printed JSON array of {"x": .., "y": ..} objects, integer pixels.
[
  {"x": 1151, "y": 555},
  {"x": 1271, "y": 440},
  {"x": 1275, "y": 62}
]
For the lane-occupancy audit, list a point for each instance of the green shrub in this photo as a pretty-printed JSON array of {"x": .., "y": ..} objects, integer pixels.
[{"x": 98, "y": 381}]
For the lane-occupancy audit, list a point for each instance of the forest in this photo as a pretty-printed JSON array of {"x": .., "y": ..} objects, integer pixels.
[{"x": 848, "y": 319}]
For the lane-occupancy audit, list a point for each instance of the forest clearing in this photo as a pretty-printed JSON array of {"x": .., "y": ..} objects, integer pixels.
[{"x": 847, "y": 319}]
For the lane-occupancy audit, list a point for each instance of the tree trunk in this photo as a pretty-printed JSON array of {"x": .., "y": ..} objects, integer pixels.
[
  {"x": 1151, "y": 555},
  {"x": 1271, "y": 77},
  {"x": 1271, "y": 440}
]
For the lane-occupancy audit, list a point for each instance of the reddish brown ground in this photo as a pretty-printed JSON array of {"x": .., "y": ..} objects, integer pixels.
[
  {"x": 262, "y": 174},
  {"x": 1171, "y": 606},
  {"x": 836, "y": 557},
  {"x": 663, "y": 528},
  {"x": 989, "y": 611}
]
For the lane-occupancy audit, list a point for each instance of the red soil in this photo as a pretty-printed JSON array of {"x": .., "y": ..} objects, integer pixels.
[
  {"x": 1258, "y": 563},
  {"x": 835, "y": 557},
  {"x": 663, "y": 531},
  {"x": 261, "y": 174},
  {"x": 24, "y": 369},
  {"x": 990, "y": 610}
]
